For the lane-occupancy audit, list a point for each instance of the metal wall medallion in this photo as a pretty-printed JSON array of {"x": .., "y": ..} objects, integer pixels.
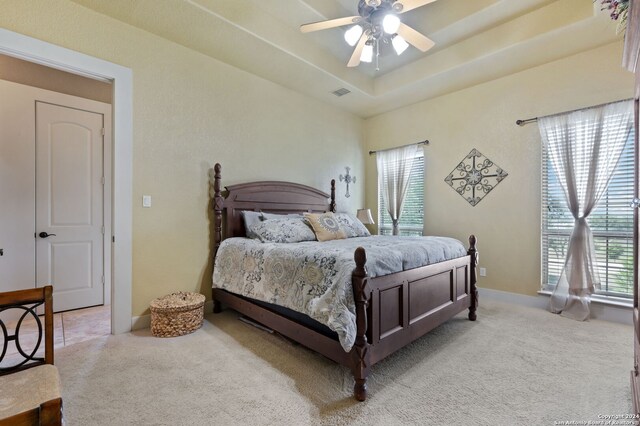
[{"x": 475, "y": 177}]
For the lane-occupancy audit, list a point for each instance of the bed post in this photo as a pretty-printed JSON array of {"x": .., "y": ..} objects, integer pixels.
[
  {"x": 360, "y": 352},
  {"x": 218, "y": 202},
  {"x": 473, "y": 288},
  {"x": 332, "y": 205}
]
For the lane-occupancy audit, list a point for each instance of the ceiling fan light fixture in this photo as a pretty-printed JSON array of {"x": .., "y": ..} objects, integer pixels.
[
  {"x": 377, "y": 25},
  {"x": 367, "y": 53},
  {"x": 399, "y": 44},
  {"x": 391, "y": 23},
  {"x": 352, "y": 35}
]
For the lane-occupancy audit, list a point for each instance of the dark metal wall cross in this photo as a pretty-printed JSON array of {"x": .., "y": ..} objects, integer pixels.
[{"x": 348, "y": 179}]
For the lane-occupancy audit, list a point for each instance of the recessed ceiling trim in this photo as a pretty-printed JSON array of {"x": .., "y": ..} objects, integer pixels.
[
  {"x": 368, "y": 93},
  {"x": 478, "y": 41}
]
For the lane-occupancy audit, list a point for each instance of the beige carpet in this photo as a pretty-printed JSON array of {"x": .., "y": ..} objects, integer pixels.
[{"x": 513, "y": 366}]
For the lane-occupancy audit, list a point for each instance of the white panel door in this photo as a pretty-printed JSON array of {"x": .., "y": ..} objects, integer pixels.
[{"x": 69, "y": 205}]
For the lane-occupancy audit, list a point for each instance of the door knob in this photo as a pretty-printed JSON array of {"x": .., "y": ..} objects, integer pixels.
[{"x": 45, "y": 235}]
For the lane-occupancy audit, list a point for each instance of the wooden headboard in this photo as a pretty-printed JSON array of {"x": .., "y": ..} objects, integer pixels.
[{"x": 266, "y": 196}]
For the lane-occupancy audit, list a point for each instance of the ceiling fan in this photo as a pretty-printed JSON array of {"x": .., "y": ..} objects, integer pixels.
[{"x": 378, "y": 22}]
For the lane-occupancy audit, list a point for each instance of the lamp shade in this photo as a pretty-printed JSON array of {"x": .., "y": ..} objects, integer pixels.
[{"x": 364, "y": 216}]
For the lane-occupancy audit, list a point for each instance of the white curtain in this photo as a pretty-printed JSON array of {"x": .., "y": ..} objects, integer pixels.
[
  {"x": 394, "y": 172},
  {"x": 584, "y": 148}
]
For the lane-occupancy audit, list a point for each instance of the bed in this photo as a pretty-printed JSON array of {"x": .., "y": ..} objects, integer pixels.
[{"x": 391, "y": 310}]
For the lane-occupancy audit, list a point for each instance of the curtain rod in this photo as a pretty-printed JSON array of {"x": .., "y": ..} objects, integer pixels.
[
  {"x": 424, "y": 142},
  {"x": 531, "y": 120}
]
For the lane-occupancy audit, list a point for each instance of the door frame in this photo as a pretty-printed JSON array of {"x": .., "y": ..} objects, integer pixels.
[{"x": 33, "y": 50}]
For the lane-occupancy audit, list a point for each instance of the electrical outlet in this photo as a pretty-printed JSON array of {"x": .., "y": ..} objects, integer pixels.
[
  {"x": 146, "y": 201},
  {"x": 483, "y": 272}
]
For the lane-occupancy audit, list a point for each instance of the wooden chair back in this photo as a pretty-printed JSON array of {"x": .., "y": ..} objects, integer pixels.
[{"x": 27, "y": 301}]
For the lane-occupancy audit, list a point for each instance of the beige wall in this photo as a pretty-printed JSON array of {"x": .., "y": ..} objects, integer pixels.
[
  {"x": 191, "y": 111},
  {"x": 507, "y": 221}
]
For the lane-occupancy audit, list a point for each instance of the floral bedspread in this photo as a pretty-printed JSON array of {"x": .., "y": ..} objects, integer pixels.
[{"x": 315, "y": 278}]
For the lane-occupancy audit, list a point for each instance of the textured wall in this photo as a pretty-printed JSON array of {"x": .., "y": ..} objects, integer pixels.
[
  {"x": 507, "y": 221},
  {"x": 191, "y": 111}
]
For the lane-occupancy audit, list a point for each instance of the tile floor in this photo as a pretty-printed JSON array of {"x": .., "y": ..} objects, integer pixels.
[{"x": 68, "y": 328}]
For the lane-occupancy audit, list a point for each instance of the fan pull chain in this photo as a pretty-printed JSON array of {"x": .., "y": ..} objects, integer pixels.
[{"x": 377, "y": 55}]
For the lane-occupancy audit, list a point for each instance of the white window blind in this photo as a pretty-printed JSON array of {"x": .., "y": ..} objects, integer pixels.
[
  {"x": 412, "y": 217},
  {"x": 611, "y": 223}
]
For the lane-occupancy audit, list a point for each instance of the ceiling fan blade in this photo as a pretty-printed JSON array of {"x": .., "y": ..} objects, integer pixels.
[
  {"x": 332, "y": 23},
  {"x": 403, "y": 6},
  {"x": 415, "y": 38},
  {"x": 357, "y": 52}
]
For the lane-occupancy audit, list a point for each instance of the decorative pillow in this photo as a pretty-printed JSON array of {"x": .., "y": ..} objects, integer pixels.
[
  {"x": 352, "y": 226},
  {"x": 326, "y": 226},
  {"x": 284, "y": 230},
  {"x": 250, "y": 218}
]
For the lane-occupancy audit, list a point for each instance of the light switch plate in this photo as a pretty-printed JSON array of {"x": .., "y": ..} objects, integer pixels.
[
  {"x": 483, "y": 272},
  {"x": 146, "y": 201}
]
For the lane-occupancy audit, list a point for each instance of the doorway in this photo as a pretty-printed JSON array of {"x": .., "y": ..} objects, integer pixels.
[
  {"x": 55, "y": 155},
  {"x": 33, "y": 50}
]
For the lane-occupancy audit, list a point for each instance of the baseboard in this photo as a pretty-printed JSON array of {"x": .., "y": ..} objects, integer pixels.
[
  {"x": 513, "y": 298},
  {"x": 144, "y": 321},
  {"x": 599, "y": 310}
]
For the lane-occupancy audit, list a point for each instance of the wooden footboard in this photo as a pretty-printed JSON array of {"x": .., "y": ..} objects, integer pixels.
[
  {"x": 410, "y": 305},
  {"x": 404, "y": 306}
]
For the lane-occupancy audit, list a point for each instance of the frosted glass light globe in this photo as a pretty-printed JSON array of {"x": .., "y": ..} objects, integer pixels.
[
  {"x": 399, "y": 44},
  {"x": 352, "y": 35},
  {"x": 390, "y": 24},
  {"x": 367, "y": 53}
]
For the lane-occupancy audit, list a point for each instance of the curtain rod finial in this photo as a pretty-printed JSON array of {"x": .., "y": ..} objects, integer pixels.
[{"x": 520, "y": 122}]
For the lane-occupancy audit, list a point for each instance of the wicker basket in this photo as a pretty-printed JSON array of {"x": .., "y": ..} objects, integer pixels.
[{"x": 176, "y": 314}]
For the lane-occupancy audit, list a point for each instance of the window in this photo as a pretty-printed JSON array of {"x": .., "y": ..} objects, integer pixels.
[
  {"x": 412, "y": 217},
  {"x": 611, "y": 223}
]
